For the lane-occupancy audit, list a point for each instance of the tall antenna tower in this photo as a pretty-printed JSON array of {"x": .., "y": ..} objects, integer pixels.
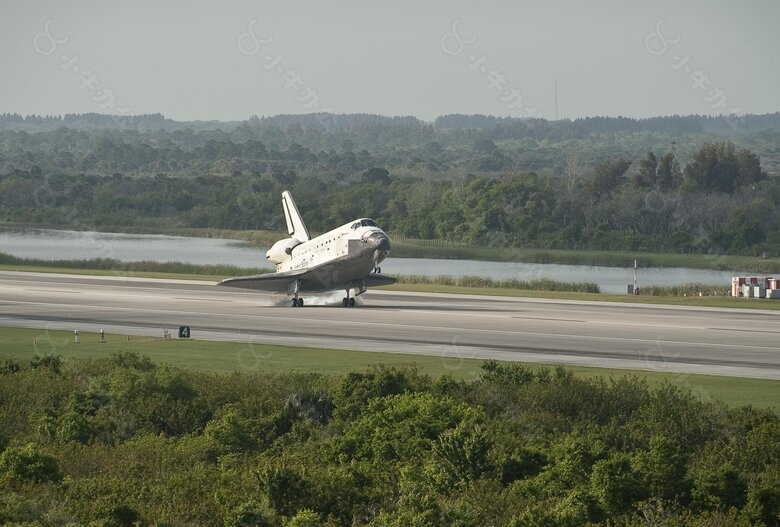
[{"x": 556, "y": 99}]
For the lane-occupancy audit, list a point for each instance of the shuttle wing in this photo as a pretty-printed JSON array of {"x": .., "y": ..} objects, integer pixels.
[
  {"x": 271, "y": 282},
  {"x": 318, "y": 279}
]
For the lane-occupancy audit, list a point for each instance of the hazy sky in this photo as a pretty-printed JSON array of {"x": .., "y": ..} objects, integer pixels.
[{"x": 189, "y": 60}]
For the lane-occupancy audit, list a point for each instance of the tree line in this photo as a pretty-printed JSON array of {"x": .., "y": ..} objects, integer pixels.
[
  {"x": 122, "y": 441},
  {"x": 507, "y": 127},
  {"x": 396, "y": 143},
  {"x": 620, "y": 184},
  {"x": 720, "y": 202}
]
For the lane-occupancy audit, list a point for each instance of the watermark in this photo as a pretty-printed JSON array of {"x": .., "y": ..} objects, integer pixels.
[
  {"x": 50, "y": 42},
  {"x": 45, "y": 44},
  {"x": 658, "y": 202},
  {"x": 693, "y": 217},
  {"x": 519, "y": 269},
  {"x": 46, "y": 344},
  {"x": 657, "y": 359},
  {"x": 453, "y": 357},
  {"x": 46, "y": 197},
  {"x": 250, "y": 357},
  {"x": 256, "y": 42},
  {"x": 305, "y": 95},
  {"x": 247, "y": 199},
  {"x": 713, "y": 253},
  {"x": 658, "y": 44},
  {"x": 453, "y": 44}
]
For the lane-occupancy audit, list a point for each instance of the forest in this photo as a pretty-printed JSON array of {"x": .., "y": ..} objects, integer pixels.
[
  {"x": 122, "y": 441},
  {"x": 694, "y": 185}
]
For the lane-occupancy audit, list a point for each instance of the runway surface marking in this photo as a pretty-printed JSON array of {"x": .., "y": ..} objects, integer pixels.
[{"x": 719, "y": 341}]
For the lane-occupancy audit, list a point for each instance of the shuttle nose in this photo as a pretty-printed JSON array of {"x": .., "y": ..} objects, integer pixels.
[{"x": 380, "y": 241}]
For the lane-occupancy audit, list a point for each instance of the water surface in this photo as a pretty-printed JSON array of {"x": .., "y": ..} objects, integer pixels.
[{"x": 49, "y": 244}]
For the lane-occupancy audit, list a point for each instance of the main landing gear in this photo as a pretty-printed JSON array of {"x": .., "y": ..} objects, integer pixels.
[
  {"x": 297, "y": 302},
  {"x": 348, "y": 301}
]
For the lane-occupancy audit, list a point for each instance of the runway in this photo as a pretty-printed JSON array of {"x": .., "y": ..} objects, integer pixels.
[{"x": 743, "y": 343}]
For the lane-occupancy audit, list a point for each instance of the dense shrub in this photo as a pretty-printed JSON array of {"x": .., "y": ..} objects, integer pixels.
[{"x": 122, "y": 441}]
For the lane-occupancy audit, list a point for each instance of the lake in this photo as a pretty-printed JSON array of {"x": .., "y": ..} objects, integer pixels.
[{"x": 50, "y": 244}]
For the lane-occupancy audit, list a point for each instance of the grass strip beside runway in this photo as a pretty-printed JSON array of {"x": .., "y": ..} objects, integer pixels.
[{"x": 23, "y": 344}]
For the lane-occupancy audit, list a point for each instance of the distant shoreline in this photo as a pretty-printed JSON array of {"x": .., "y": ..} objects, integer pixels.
[{"x": 442, "y": 249}]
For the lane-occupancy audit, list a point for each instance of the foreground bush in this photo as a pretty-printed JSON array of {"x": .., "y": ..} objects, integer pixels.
[{"x": 122, "y": 441}]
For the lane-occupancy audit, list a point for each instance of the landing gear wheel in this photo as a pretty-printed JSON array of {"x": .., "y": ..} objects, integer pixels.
[
  {"x": 297, "y": 302},
  {"x": 345, "y": 301},
  {"x": 351, "y": 302}
]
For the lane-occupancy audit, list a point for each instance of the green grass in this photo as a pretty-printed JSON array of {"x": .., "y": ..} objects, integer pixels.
[
  {"x": 204, "y": 355},
  {"x": 23, "y": 344},
  {"x": 106, "y": 272},
  {"x": 121, "y": 268}
]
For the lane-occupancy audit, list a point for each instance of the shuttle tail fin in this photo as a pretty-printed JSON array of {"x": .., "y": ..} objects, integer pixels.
[{"x": 295, "y": 226}]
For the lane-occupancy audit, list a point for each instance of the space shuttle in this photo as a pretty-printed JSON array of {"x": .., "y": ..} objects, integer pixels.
[{"x": 346, "y": 258}]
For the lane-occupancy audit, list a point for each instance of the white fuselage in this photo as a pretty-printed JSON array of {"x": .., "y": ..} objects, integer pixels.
[
  {"x": 346, "y": 258},
  {"x": 348, "y": 243}
]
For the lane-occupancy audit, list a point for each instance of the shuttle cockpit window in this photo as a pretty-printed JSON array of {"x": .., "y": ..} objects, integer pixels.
[{"x": 368, "y": 223}]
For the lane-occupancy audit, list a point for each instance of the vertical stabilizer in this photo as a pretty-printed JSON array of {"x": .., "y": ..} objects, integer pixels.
[{"x": 295, "y": 226}]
